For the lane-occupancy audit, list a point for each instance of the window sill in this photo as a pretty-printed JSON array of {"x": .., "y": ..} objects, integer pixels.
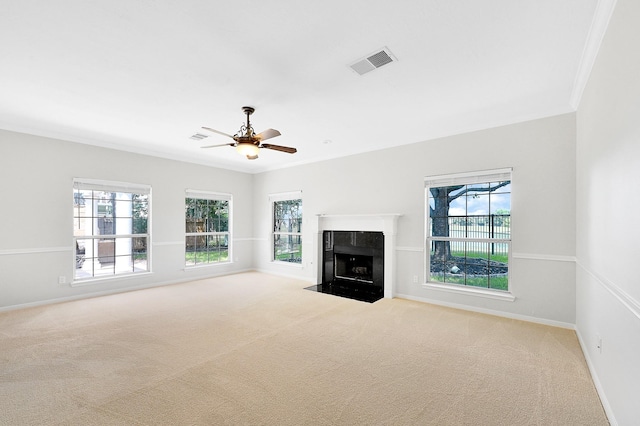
[
  {"x": 98, "y": 280},
  {"x": 471, "y": 291},
  {"x": 289, "y": 264},
  {"x": 205, "y": 265}
]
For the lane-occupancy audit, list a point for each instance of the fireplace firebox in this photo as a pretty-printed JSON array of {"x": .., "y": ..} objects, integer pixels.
[{"x": 353, "y": 265}]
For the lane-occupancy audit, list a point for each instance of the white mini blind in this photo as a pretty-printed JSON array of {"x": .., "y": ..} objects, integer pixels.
[
  {"x": 283, "y": 196},
  {"x": 206, "y": 195},
  {"x": 499, "y": 175},
  {"x": 110, "y": 186}
]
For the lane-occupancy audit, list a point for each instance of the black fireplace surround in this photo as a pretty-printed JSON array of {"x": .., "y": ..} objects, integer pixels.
[{"x": 353, "y": 265}]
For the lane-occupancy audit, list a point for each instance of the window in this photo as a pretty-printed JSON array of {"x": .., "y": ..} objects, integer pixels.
[
  {"x": 111, "y": 228},
  {"x": 207, "y": 228},
  {"x": 287, "y": 227},
  {"x": 469, "y": 229}
]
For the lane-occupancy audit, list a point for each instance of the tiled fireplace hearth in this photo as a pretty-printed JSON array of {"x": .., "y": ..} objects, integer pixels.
[{"x": 358, "y": 252}]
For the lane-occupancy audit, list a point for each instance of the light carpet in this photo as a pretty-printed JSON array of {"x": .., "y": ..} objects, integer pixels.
[{"x": 258, "y": 349}]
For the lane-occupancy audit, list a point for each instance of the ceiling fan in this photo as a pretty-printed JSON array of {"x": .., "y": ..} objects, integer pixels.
[{"x": 247, "y": 142}]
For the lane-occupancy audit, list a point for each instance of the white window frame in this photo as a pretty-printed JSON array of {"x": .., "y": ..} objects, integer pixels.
[
  {"x": 273, "y": 198},
  {"x": 466, "y": 178},
  {"x": 85, "y": 184},
  {"x": 215, "y": 196}
]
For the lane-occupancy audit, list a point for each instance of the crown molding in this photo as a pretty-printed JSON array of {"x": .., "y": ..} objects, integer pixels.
[{"x": 598, "y": 28}]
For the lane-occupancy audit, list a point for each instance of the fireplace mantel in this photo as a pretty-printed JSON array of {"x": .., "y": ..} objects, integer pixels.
[{"x": 385, "y": 223}]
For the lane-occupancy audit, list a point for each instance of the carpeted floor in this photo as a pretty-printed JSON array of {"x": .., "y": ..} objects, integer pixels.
[{"x": 257, "y": 349}]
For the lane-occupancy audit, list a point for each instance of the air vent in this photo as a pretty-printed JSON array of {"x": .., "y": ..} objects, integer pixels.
[
  {"x": 198, "y": 137},
  {"x": 373, "y": 61}
]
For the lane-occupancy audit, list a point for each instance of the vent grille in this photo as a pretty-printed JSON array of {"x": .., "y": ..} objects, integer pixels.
[
  {"x": 198, "y": 137},
  {"x": 373, "y": 61}
]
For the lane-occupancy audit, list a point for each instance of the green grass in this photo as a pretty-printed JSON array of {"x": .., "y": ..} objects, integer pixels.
[
  {"x": 286, "y": 257},
  {"x": 199, "y": 257},
  {"x": 496, "y": 283}
]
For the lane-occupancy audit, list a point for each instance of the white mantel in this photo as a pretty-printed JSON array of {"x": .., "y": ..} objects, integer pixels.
[{"x": 385, "y": 223}]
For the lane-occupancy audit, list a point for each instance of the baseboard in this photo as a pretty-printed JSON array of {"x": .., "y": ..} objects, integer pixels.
[
  {"x": 596, "y": 382},
  {"x": 509, "y": 315}
]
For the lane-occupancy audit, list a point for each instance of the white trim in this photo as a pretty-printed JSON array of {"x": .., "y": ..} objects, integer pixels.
[
  {"x": 360, "y": 216},
  {"x": 207, "y": 195},
  {"x": 503, "y": 314},
  {"x": 210, "y": 234},
  {"x": 287, "y": 264},
  {"x": 282, "y": 196},
  {"x": 102, "y": 278},
  {"x": 110, "y": 186},
  {"x": 179, "y": 243},
  {"x": 493, "y": 175},
  {"x": 597, "y": 31},
  {"x": 527, "y": 256},
  {"x": 471, "y": 240},
  {"x": 188, "y": 268},
  {"x": 11, "y": 252},
  {"x": 547, "y": 257},
  {"x": 470, "y": 291},
  {"x": 623, "y": 297}
]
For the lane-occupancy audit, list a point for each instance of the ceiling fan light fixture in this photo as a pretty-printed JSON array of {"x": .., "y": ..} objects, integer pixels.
[{"x": 247, "y": 149}]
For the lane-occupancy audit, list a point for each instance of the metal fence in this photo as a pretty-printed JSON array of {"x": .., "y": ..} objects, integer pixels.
[{"x": 484, "y": 227}]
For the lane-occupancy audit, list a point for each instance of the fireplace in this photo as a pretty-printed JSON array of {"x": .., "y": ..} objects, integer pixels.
[
  {"x": 353, "y": 264},
  {"x": 356, "y": 255}
]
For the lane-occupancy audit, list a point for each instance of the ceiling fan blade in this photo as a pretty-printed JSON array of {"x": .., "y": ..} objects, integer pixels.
[
  {"x": 218, "y": 132},
  {"x": 279, "y": 148},
  {"x": 268, "y": 134},
  {"x": 215, "y": 146}
]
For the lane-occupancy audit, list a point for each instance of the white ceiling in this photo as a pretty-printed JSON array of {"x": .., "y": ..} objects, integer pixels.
[{"x": 145, "y": 75}]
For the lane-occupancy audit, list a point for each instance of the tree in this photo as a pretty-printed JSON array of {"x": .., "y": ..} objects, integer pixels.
[
  {"x": 140, "y": 213},
  {"x": 204, "y": 215},
  {"x": 443, "y": 196},
  {"x": 287, "y": 215}
]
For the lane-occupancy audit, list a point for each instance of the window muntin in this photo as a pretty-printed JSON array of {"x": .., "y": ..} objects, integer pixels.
[
  {"x": 287, "y": 230},
  {"x": 469, "y": 230},
  {"x": 111, "y": 229},
  {"x": 207, "y": 236}
]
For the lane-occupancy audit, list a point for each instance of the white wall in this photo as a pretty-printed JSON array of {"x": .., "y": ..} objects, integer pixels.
[
  {"x": 542, "y": 154},
  {"x": 36, "y": 229},
  {"x": 608, "y": 231}
]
